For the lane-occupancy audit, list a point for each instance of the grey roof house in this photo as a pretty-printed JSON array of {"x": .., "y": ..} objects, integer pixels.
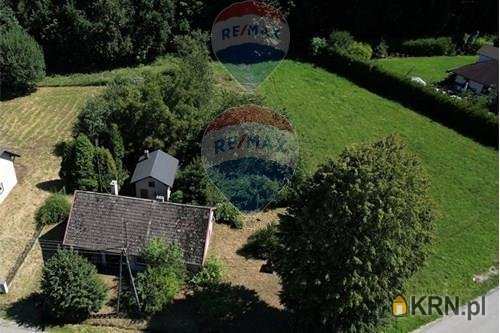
[
  {"x": 154, "y": 175},
  {"x": 108, "y": 223}
]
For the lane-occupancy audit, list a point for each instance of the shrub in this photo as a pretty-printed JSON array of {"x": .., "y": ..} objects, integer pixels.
[
  {"x": 429, "y": 47},
  {"x": 157, "y": 287},
  {"x": 71, "y": 288},
  {"x": 382, "y": 49},
  {"x": 318, "y": 45},
  {"x": 163, "y": 277},
  {"x": 211, "y": 274},
  {"x": 228, "y": 214},
  {"x": 55, "y": 210},
  {"x": 177, "y": 196},
  {"x": 339, "y": 41},
  {"x": 21, "y": 61},
  {"x": 262, "y": 244},
  {"x": 360, "y": 51},
  {"x": 362, "y": 226}
]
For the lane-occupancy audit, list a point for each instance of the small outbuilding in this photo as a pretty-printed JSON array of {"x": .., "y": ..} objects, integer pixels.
[
  {"x": 154, "y": 175},
  {"x": 8, "y": 178}
]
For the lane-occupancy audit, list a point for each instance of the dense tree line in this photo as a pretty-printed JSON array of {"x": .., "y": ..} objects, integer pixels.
[{"x": 84, "y": 35}]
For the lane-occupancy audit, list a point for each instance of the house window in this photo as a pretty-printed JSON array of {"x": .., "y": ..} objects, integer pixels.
[{"x": 151, "y": 184}]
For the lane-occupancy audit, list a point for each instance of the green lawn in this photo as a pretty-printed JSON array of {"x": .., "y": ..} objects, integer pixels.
[
  {"x": 430, "y": 69},
  {"x": 102, "y": 78},
  {"x": 330, "y": 113}
]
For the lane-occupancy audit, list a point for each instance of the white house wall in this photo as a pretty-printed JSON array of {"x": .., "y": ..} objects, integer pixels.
[
  {"x": 158, "y": 189},
  {"x": 8, "y": 178}
]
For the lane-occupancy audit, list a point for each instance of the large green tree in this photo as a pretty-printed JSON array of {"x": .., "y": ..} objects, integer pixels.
[
  {"x": 71, "y": 288},
  {"x": 359, "y": 228},
  {"x": 87, "y": 167}
]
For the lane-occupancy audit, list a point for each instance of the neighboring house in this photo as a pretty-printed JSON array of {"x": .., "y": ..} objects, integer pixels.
[
  {"x": 154, "y": 175},
  {"x": 487, "y": 53},
  {"x": 8, "y": 178},
  {"x": 106, "y": 224},
  {"x": 482, "y": 76}
]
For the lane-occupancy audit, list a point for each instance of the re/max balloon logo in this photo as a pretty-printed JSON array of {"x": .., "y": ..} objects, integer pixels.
[
  {"x": 248, "y": 142},
  {"x": 250, "y": 153},
  {"x": 254, "y": 30}
]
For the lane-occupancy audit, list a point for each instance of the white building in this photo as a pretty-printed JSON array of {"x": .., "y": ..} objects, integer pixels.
[
  {"x": 154, "y": 175},
  {"x": 8, "y": 178}
]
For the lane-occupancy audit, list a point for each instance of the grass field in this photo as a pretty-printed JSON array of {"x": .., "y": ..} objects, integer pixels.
[
  {"x": 104, "y": 77},
  {"x": 32, "y": 126},
  {"x": 328, "y": 113},
  {"x": 430, "y": 69}
]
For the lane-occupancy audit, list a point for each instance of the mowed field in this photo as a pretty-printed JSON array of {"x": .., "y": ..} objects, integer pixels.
[
  {"x": 32, "y": 126},
  {"x": 430, "y": 69},
  {"x": 330, "y": 112}
]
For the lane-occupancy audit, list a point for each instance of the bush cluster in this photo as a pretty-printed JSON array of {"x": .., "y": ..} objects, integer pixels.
[
  {"x": 21, "y": 58},
  {"x": 361, "y": 229},
  {"x": 54, "y": 210},
  {"x": 440, "y": 46},
  {"x": 226, "y": 213},
  {"x": 71, "y": 287},
  {"x": 163, "y": 278},
  {"x": 87, "y": 167},
  {"x": 470, "y": 120},
  {"x": 262, "y": 244},
  {"x": 211, "y": 274},
  {"x": 343, "y": 42}
]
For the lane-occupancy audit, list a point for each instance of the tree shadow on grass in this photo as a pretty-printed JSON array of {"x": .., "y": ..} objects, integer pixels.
[
  {"x": 52, "y": 186},
  {"x": 27, "y": 312},
  {"x": 221, "y": 308}
]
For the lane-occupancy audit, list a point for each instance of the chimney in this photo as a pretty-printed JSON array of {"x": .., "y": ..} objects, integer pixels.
[
  {"x": 114, "y": 187},
  {"x": 160, "y": 198},
  {"x": 146, "y": 153}
]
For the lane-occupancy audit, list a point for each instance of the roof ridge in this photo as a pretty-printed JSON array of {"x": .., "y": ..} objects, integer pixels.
[{"x": 142, "y": 199}]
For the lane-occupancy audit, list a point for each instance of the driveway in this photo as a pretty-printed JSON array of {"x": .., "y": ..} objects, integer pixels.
[{"x": 459, "y": 323}]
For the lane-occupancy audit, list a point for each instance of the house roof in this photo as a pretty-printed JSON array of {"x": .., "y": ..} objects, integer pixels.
[
  {"x": 482, "y": 72},
  {"x": 158, "y": 165},
  {"x": 489, "y": 51},
  {"x": 6, "y": 151},
  {"x": 106, "y": 222}
]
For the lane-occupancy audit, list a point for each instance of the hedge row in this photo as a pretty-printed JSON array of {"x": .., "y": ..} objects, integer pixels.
[
  {"x": 471, "y": 121},
  {"x": 440, "y": 46}
]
